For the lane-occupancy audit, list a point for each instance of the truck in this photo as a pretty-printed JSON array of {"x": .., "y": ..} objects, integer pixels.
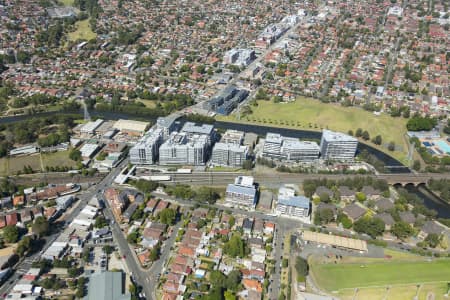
[{"x": 184, "y": 171}]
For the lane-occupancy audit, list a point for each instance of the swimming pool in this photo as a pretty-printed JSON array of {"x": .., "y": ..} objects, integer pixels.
[{"x": 443, "y": 146}]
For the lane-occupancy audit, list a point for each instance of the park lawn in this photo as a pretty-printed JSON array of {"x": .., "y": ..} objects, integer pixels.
[
  {"x": 83, "y": 32},
  {"x": 332, "y": 277},
  {"x": 59, "y": 158},
  {"x": 311, "y": 114}
]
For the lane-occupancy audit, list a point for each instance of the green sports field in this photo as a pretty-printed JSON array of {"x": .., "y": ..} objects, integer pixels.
[
  {"x": 338, "y": 276},
  {"x": 378, "y": 278},
  {"x": 311, "y": 114}
]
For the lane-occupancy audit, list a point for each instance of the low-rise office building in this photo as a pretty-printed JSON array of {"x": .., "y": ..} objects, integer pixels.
[{"x": 337, "y": 146}]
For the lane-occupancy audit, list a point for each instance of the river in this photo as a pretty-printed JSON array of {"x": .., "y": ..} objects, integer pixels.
[
  {"x": 259, "y": 130},
  {"x": 430, "y": 201}
]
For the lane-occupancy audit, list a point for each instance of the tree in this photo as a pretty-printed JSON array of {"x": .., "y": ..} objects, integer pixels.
[
  {"x": 416, "y": 165},
  {"x": 433, "y": 240},
  {"x": 217, "y": 278},
  {"x": 235, "y": 246},
  {"x": 231, "y": 221},
  {"x": 24, "y": 246},
  {"x": 391, "y": 146},
  {"x": 132, "y": 237},
  {"x": 167, "y": 216},
  {"x": 371, "y": 226},
  {"x": 377, "y": 140},
  {"x": 359, "y": 132},
  {"x": 323, "y": 216},
  {"x": 233, "y": 280},
  {"x": 361, "y": 197},
  {"x": 206, "y": 195},
  {"x": 75, "y": 155},
  {"x": 40, "y": 226},
  {"x": 324, "y": 197},
  {"x": 365, "y": 135},
  {"x": 229, "y": 295},
  {"x": 284, "y": 263},
  {"x": 345, "y": 221},
  {"x": 402, "y": 230},
  {"x": 301, "y": 266},
  {"x": 418, "y": 123},
  {"x": 11, "y": 234},
  {"x": 100, "y": 222}
]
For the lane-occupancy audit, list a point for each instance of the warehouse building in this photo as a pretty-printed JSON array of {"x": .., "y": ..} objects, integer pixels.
[
  {"x": 107, "y": 286},
  {"x": 337, "y": 146},
  {"x": 131, "y": 127}
]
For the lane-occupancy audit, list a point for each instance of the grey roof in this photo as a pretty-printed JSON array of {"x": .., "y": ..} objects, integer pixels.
[
  {"x": 384, "y": 204},
  {"x": 323, "y": 189},
  {"x": 370, "y": 191},
  {"x": 345, "y": 191},
  {"x": 432, "y": 227},
  {"x": 239, "y": 189},
  {"x": 322, "y": 206},
  {"x": 386, "y": 218},
  {"x": 191, "y": 127},
  {"x": 354, "y": 211},
  {"x": 332, "y": 136},
  {"x": 107, "y": 286},
  {"x": 296, "y": 201},
  {"x": 407, "y": 216},
  {"x": 274, "y": 138}
]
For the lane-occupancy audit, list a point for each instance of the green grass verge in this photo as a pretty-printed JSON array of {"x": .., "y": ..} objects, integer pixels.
[
  {"x": 83, "y": 31},
  {"x": 311, "y": 114},
  {"x": 333, "y": 277}
]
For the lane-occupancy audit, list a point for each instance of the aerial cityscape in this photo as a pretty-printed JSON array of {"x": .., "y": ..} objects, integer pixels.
[{"x": 225, "y": 150}]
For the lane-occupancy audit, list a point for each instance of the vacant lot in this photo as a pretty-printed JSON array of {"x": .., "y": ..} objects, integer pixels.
[
  {"x": 310, "y": 114},
  {"x": 397, "y": 277},
  {"x": 12, "y": 165},
  {"x": 60, "y": 158},
  {"x": 15, "y": 164},
  {"x": 83, "y": 31}
]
